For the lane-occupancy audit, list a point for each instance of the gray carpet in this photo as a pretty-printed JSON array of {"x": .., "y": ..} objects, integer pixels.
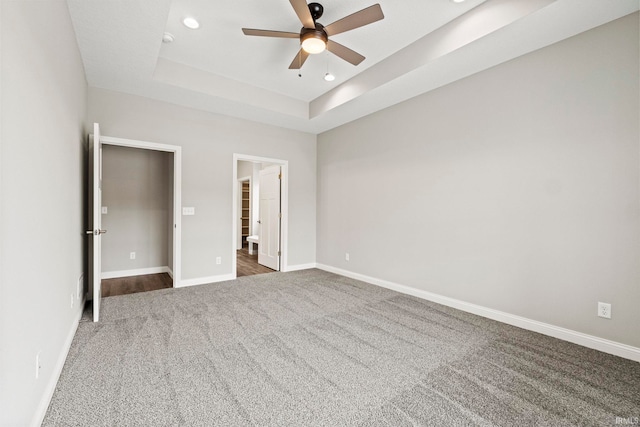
[{"x": 311, "y": 348}]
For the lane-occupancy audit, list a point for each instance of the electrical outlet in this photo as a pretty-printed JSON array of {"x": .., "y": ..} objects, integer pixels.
[
  {"x": 604, "y": 310},
  {"x": 132, "y": 255},
  {"x": 218, "y": 260},
  {"x": 346, "y": 256},
  {"x": 38, "y": 365}
]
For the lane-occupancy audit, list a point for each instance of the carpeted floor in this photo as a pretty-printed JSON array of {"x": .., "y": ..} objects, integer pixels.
[{"x": 311, "y": 348}]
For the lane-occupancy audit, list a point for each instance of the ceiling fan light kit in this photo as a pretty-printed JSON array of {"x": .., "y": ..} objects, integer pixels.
[
  {"x": 314, "y": 37},
  {"x": 313, "y": 41}
]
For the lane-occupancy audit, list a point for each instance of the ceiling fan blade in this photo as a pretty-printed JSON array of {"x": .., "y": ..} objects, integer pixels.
[
  {"x": 359, "y": 19},
  {"x": 298, "y": 61},
  {"x": 302, "y": 10},
  {"x": 269, "y": 33},
  {"x": 344, "y": 52}
]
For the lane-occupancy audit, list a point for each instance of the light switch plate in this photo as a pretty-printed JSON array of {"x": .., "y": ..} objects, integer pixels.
[
  {"x": 104, "y": 210},
  {"x": 189, "y": 211}
]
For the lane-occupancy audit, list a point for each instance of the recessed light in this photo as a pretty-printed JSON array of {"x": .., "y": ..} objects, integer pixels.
[
  {"x": 191, "y": 23},
  {"x": 329, "y": 77},
  {"x": 457, "y": 1}
]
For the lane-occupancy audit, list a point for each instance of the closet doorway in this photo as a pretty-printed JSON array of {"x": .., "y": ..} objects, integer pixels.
[
  {"x": 139, "y": 212},
  {"x": 260, "y": 220}
]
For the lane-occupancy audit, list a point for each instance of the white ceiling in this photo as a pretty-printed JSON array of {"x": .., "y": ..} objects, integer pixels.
[{"x": 419, "y": 46}]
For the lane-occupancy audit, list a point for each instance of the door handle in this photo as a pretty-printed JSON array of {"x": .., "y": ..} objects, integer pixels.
[{"x": 96, "y": 232}]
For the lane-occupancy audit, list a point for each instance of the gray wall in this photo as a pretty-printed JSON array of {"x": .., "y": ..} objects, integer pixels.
[
  {"x": 208, "y": 143},
  {"x": 42, "y": 151},
  {"x": 136, "y": 189},
  {"x": 244, "y": 168},
  {"x": 516, "y": 189}
]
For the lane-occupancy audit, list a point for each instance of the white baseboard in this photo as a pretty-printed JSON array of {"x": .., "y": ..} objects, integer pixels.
[
  {"x": 136, "y": 272},
  {"x": 169, "y": 272},
  {"x": 590, "y": 341},
  {"x": 50, "y": 388},
  {"x": 299, "y": 267},
  {"x": 204, "y": 280}
]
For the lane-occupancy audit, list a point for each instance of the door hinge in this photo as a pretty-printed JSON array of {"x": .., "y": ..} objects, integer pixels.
[
  {"x": 279, "y": 176},
  {"x": 279, "y": 253},
  {"x": 280, "y": 215}
]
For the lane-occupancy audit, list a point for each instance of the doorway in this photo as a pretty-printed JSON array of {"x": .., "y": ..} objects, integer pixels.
[
  {"x": 174, "y": 202},
  {"x": 245, "y": 257},
  {"x": 137, "y": 210}
]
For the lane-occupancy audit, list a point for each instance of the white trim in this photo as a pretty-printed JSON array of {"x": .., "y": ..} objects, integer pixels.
[
  {"x": 590, "y": 341},
  {"x": 176, "y": 268},
  {"x": 50, "y": 388},
  {"x": 284, "y": 208},
  {"x": 205, "y": 280},
  {"x": 133, "y": 143},
  {"x": 299, "y": 267},
  {"x": 136, "y": 272}
]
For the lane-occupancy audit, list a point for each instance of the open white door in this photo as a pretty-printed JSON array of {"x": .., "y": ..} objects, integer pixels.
[
  {"x": 95, "y": 209},
  {"x": 269, "y": 236}
]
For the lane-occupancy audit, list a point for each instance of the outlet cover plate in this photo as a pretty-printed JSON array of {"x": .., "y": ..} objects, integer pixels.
[{"x": 604, "y": 310}]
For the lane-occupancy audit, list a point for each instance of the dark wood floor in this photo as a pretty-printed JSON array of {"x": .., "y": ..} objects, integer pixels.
[
  {"x": 134, "y": 284},
  {"x": 247, "y": 265}
]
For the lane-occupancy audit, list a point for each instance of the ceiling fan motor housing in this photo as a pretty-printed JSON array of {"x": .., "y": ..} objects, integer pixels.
[{"x": 316, "y": 10}]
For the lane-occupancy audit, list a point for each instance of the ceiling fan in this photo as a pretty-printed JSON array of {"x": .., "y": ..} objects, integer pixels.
[{"x": 314, "y": 37}]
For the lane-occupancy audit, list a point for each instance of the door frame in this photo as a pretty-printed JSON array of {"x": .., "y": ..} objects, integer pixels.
[
  {"x": 95, "y": 218},
  {"x": 177, "y": 192},
  {"x": 284, "y": 208}
]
